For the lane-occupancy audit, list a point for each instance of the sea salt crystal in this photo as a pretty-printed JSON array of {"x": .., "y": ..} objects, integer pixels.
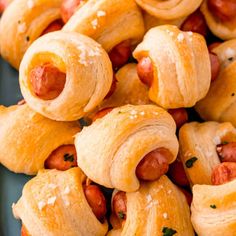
[
  {"x": 101, "y": 13},
  {"x": 41, "y": 205},
  {"x": 30, "y": 4},
  {"x": 229, "y": 52},
  {"x": 180, "y": 37},
  {"x": 94, "y": 23},
  {"x": 149, "y": 198},
  {"x": 142, "y": 113},
  {"x": 22, "y": 27},
  {"x": 190, "y": 33},
  {"x": 133, "y": 112},
  {"x": 169, "y": 191},
  {"x": 51, "y": 200},
  {"x": 165, "y": 215},
  {"x": 67, "y": 190}
]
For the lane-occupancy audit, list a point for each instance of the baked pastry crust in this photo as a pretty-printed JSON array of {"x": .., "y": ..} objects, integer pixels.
[
  {"x": 213, "y": 209},
  {"x": 200, "y": 140},
  {"x": 23, "y": 22},
  {"x": 181, "y": 66},
  {"x": 151, "y": 21},
  {"x": 223, "y": 30},
  {"x": 88, "y": 74},
  {"x": 129, "y": 89},
  {"x": 220, "y": 102},
  {"x": 149, "y": 210},
  {"x": 109, "y": 22},
  {"x": 53, "y": 203},
  {"x": 170, "y": 9},
  {"x": 110, "y": 149},
  {"x": 27, "y": 138}
]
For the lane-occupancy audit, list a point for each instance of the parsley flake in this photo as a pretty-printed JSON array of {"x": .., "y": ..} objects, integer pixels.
[
  {"x": 189, "y": 163},
  {"x": 213, "y": 206},
  {"x": 121, "y": 215},
  {"x": 230, "y": 59},
  {"x": 225, "y": 142},
  {"x": 27, "y": 38},
  {"x": 68, "y": 157},
  {"x": 168, "y": 231},
  {"x": 232, "y": 94}
]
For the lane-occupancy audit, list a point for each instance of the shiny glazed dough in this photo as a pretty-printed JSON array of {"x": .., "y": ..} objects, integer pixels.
[
  {"x": 169, "y": 9},
  {"x": 220, "y": 102},
  {"x": 154, "y": 206},
  {"x": 220, "y": 29},
  {"x": 88, "y": 74},
  {"x": 23, "y": 22},
  {"x": 53, "y": 203},
  {"x": 219, "y": 221},
  {"x": 200, "y": 140},
  {"x": 181, "y": 66},
  {"x": 27, "y": 138},
  {"x": 110, "y": 149},
  {"x": 109, "y": 22}
]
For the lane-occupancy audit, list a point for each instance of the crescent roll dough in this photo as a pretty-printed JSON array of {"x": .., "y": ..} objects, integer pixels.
[
  {"x": 169, "y": 9},
  {"x": 153, "y": 207},
  {"x": 181, "y": 66},
  {"x": 223, "y": 30},
  {"x": 27, "y": 138},
  {"x": 220, "y": 102},
  {"x": 88, "y": 74},
  {"x": 23, "y": 22},
  {"x": 151, "y": 21},
  {"x": 129, "y": 89},
  {"x": 198, "y": 143},
  {"x": 109, "y": 22},
  {"x": 53, "y": 203},
  {"x": 214, "y": 209},
  {"x": 110, "y": 149}
]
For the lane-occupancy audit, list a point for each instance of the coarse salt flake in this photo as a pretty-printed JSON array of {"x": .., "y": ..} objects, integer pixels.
[
  {"x": 51, "y": 200},
  {"x": 22, "y": 27},
  {"x": 52, "y": 186},
  {"x": 229, "y": 52},
  {"x": 94, "y": 23},
  {"x": 67, "y": 190},
  {"x": 180, "y": 37},
  {"x": 41, "y": 205},
  {"x": 142, "y": 113},
  {"x": 30, "y": 4},
  {"x": 101, "y": 13},
  {"x": 165, "y": 215},
  {"x": 133, "y": 112}
]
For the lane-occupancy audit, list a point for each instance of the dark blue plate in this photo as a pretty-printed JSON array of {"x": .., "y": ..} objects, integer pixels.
[{"x": 10, "y": 184}]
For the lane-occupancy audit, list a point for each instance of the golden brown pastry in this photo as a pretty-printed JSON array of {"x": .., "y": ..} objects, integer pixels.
[
  {"x": 151, "y": 21},
  {"x": 27, "y": 138},
  {"x": 169, "y": 9},
  {"x": 54, "y": 203},
  {"x": 109, "y": 22},
  {"x": 157, "y": 208},
  {"x": 129, "y": 89},
  {"x": 81, "y": 65},
  {"x": 214, "y": 210},
  {"x": 110, "y": 149},
  {"x": 220, "y": 17},
  {"x": 198, "y": 142},
  {"x": 220, "y": 102},
  {"x": 23, "y": 22},
  {"x": 179, "y": 64}
]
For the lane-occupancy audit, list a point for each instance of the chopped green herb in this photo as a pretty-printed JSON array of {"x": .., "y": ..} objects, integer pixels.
[
  {"x": 68, "y": 157},
  {"x": 189, "y": 163},
  {"x": 225, "y": 142},
  {"x": 168, "y": 231},
  {"x": 121, "y": 215},
  {"x": 232, "y": 94},
  {"x": 19, "y": 21},
  {"x": 230, "y": 59},
  {"x": 27, "y": 38},
  {"x": 213, "y": 206}
]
